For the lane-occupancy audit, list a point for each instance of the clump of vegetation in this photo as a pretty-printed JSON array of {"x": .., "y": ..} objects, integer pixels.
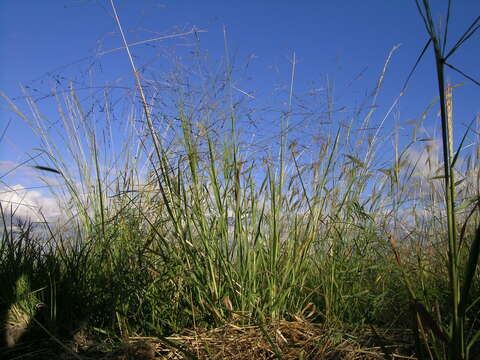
[{"x": 298, "y": 255}]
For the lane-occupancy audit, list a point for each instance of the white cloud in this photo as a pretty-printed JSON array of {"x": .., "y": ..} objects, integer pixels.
[
  {"x": 28, "y": 204},
  {"x": 426, "y": 160}
]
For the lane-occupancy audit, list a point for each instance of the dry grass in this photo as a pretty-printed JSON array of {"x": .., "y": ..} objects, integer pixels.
[{"x": 298, "y": 339}]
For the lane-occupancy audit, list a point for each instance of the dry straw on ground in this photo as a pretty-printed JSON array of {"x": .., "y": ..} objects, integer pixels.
[
  {"x": 298, "y": 339},
  {"x": 286, "y": 340}
]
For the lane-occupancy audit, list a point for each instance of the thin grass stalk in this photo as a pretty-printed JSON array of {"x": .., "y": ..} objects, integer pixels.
[
  {"x": 157, "y": 145},
  {"x": 146, "y": 109},
  {"x": 284, "y": 128},
  {"x": 456, "y": 350},
  {"x": 457, "y": 346}
]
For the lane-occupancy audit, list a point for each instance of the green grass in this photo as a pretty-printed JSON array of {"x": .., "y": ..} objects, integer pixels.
[{"x": 161, "y": 237}]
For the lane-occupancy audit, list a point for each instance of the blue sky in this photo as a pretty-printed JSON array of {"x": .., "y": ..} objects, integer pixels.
[{"x": 341, "y": 39}]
